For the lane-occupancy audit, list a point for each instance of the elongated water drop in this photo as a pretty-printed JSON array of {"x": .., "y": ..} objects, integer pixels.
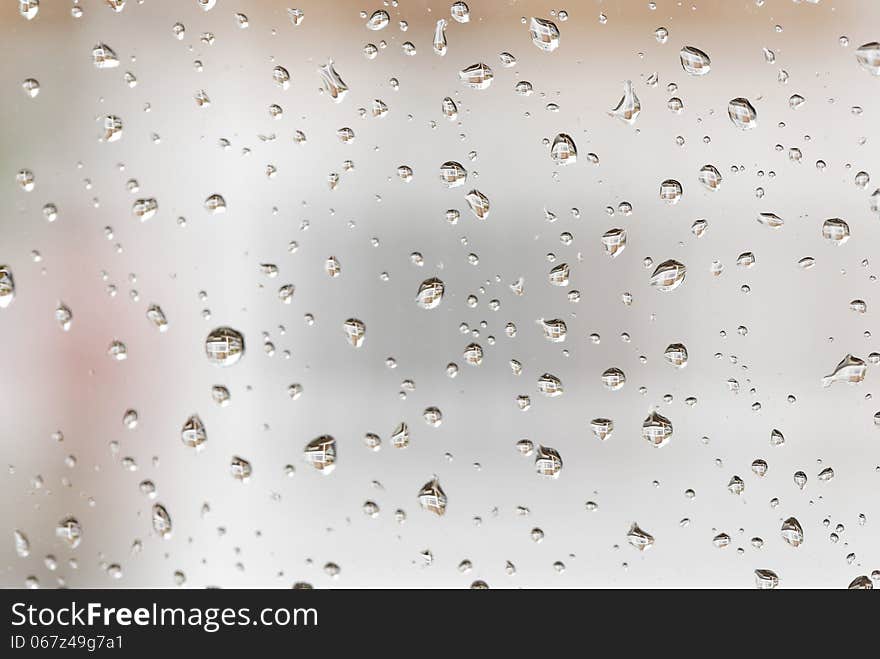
[{"x": 629, "y": 106}]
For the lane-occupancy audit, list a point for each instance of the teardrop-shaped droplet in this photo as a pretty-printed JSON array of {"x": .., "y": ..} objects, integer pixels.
[
  {"x": 355, "y": 331},
  {"x": 321, "y": 454},
  {"x": 112, "y": 126},
  {"x": 215, "y": 204},
  {"x": 193, "y": 433},
  {"x": 400, "y": 436},
  {"x": 657, "y": 429},
  {"x": 281, "y": 77},
  {"x": 792, "y": 532},
  {"x": 710, "y": 177},
  {"x": 103, "y": 57},
  {"x": 676, "y": 354},
  {"x": 563, "y": 151},
  {"x": 161, "y": 521},
  {"x": 63, "y": 316},
  {"x": 432, "y": 497},
  {"x": 850, "y": 369},
  {"x": 478, "y": 203},
  {"x": 156, "y": 316},
  {"x": 554, "y": 330},
  {"x": 868, "y": 57},
  {"x": 614, "y": 241},
  {"x": 694, "y": 61},
  {"x": 638, "y": 538},
  {"x": 628, "y": 108},
  {"x": 29, "y": 8},
  {"x": 450, "y": 109},
  {"x": 668, "y": 275},
  {"x": 460, "y": 11},
  {"x": 742, "y": 114},
  {"x": 69, "y": 530},
  {"x": 544, "y": 34},
  {"x": 334, "y": 86},
  {"x": 559, "y": 275},
  {"x": 550, "y": 385},
  {"x": 378, "y": 20},
  {"x": 240, "y": 469},
  {"x": 548, "y": 462},
  {"x": 430, "y": 293},
  {"x": 22, "y": 544}
]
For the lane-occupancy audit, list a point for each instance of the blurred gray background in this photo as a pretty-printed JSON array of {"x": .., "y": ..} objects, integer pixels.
[{"x": 278, "y": 529}]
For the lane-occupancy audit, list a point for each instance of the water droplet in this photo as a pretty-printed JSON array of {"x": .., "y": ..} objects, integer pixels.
[
  {"x": 63, "y": 315},
  {"x": 31, "y": 87},
  {"x": 710, "y": 177},
  {"x": 432, "y": 497},
  {"x": 476, "y": 76},
  {"x": 657, "y": 429},
  {"x": 478, "y": 203},
  {"x": 334, "y": 86},
  {"x": 224, "y": 346},
  {"x": 378, "y": 20},
  {"x": 550, "y": 385},
  {"x": 559, "y": 275},
  {"x": 792, "y": 532},
  {"x": 628, "y": 108},
  {"x": 440, "y": 37},
  {"x": 452, "y": 174},
  {"x": 670, "y": 191},
  {"x": 770, "y": 220},
  {"x": 668, "y": 275},
  {"x": 850, "y": 369},
  {"x": 7, "y": 286},
  {"x": 548, "y": 462},
  {"x": 161, "y": 521},
  {"x": 694, "y": 61},
  {"x": 602, "y": 428},
  {"x": 355, "y": 331},
  {"x": 104, "y": 57},
  {"x": 22, "y": 545},
  {"x": 449, "y": 109},
  {"x": 868, "y": 57},
  {"x": 544, "y": 34},
  {"x": 563, "y": 151},
  {"x": 430, "y": 293},
  {"x": 156, "y": 316},
  {"x": 742, "y": 114},
  {"x": 641, "y": 540},
  {"x": 193, "y": 433},
  {"x": 281, "y": 77},
  {"x": 836, "y": 231},
  {"x": 321, "y": 454},
  {"x": 29, "y": 8},
  {"x": 460, "y": 12},
  {"x": 240, "y": 469},
  {"x": 70, "y": 531},
  {"x": 676, "y": 354},
  {"x": 117, "y": 350}
]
